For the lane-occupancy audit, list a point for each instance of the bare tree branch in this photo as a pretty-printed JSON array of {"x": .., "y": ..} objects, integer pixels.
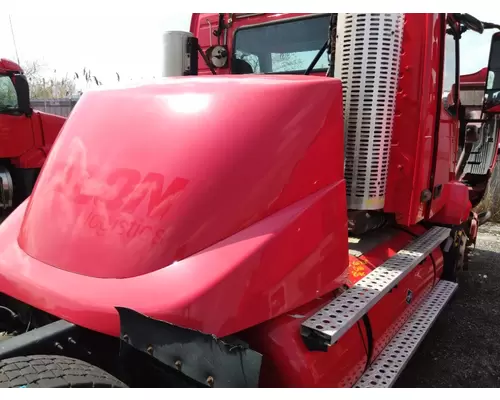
[{"x": 45, "y": 86}]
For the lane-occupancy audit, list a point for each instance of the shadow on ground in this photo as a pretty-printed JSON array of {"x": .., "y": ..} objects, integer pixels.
[{"x": 463, "y": 347}]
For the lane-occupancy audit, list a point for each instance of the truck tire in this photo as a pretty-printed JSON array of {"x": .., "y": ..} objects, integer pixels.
[
  {"x": 454, "y": 258},
  {"x": 53, "y": 372}
]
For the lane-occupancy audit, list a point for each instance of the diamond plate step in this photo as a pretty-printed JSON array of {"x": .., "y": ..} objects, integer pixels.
[
  {"x": 385, "y": 370},
  {"x": 333, "y": 320}
]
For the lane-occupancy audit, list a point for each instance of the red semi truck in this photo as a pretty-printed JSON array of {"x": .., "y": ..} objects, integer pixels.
[
  {"x": 286, "y": 208},
  {"x": 26, "y": 136}
]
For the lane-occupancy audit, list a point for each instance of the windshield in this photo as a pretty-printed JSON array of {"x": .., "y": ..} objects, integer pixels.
[
  {"x": 281, "y": 47},
  {"x": 8, "y": 96}
]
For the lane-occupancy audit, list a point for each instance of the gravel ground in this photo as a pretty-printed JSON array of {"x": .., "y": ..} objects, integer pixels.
[{"x": 463, "y": 347}]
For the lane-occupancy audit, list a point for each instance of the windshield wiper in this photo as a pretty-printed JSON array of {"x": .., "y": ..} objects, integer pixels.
[{"x": 316, "y": 59}]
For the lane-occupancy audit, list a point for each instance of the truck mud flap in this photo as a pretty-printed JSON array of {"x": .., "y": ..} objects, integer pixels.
[{"x": 201, "y": 357}]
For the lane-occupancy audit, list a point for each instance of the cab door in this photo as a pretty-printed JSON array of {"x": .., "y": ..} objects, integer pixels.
[{"x": 446, "y": 131}]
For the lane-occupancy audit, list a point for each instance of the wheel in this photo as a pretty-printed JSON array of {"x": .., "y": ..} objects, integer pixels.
[
  {"x": 454, "y": 250},
  {"x": 53, "y": 372}
]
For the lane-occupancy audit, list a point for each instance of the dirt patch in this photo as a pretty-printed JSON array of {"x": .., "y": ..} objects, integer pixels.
[{"x": 463, "y": 347}]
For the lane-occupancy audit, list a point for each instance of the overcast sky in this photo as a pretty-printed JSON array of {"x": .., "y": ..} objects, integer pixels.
[
  {"x": 105, "y": 44},
  {"x": 131, "y": 44}
]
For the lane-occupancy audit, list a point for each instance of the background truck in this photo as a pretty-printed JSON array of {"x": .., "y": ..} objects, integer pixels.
[
  {"x": 480, "y": 151},
  {"x": 291, "y": 207},
  {"x": 26, "y": 136}
]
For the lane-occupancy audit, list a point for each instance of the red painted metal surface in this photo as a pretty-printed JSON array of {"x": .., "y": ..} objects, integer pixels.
[
  {"x": 416, "y": 130},
  {"x": 202, "y": 26},
  {"x": 446, "y": 160},
  {"x": 251, "y": 223},
  {"x": 288, "y": 363},
  {"x": 219, "y": 204},
  {"x": 27, "y": 141},
  {"x": 476, "y": 79},
  {"x": 239, "y": 282},
  {"x": 16, "y": 135},
  {"x": 9, "y": 66},
  {"x": 415, "y": 118},
  {"x": 494, "y": 109},
  {"x": 46, "y": 128},
  {"x": 204, "y": 172},
  {"x": 457, "y": 207}
]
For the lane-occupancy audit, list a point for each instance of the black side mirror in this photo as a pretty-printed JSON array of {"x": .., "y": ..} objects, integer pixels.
[
  {"x": 467, "y": 22},
  {"x": 472, "y": 23},
  {"x": 491, "y": 103},
  {"x": 23, "y": 93}
]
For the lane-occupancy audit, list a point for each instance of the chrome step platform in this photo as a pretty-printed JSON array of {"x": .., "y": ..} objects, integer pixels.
[
  {"x": 332, "y": 321},
  {"x": 385, "y": 370}
]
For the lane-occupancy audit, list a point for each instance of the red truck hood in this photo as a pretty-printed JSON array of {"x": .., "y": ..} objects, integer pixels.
[{"x": 142, "y": 177}]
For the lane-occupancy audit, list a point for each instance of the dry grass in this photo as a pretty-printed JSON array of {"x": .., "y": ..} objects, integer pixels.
[{"x": 491, "y": 200}]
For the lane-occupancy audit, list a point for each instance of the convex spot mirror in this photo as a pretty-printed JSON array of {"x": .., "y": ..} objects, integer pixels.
[
  {"x": 218, "y": 56},
  {"x": 491, "y": 102}
]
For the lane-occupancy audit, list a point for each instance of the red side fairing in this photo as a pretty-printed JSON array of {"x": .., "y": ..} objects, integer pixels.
[
  {"x": 233, "y": 194},
  {"x": 180, "y": 170}
]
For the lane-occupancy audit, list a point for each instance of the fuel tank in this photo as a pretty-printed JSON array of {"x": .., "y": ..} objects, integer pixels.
[{"x": 183, "y": 197}]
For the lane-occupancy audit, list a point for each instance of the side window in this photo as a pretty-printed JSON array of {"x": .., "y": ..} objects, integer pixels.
[{"x": 450, "y": 68}]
